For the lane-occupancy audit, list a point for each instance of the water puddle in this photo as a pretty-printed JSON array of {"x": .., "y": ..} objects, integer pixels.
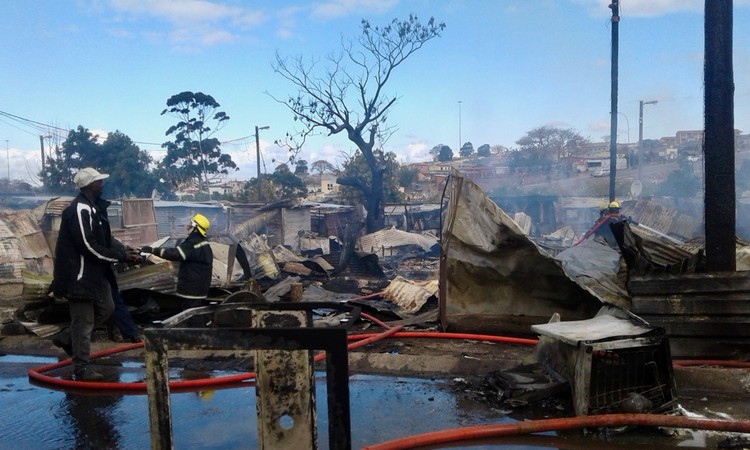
[{"x": 382, "y": 408}]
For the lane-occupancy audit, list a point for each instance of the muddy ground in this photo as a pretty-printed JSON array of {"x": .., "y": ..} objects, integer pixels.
[
  {"x": 405, "y": 356},
  {"x": 470, "y": 364}
]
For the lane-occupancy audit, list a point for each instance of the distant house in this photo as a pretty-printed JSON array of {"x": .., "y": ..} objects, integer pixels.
[
  {"x": 328, "y": 183},
  {"x": 321, "y": 186},
  {"x": 684, "y": 137}
]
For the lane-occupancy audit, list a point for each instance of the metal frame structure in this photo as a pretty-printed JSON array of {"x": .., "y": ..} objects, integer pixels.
[{"x": 333, "y": 340}]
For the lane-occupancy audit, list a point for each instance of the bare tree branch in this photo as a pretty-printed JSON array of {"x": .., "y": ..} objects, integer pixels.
[{"x": 350, "y": 95}]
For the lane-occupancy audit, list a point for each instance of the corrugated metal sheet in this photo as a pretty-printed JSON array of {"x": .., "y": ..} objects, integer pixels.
[
  {"x": 391, "y": 238},
  {"x": 221, "y": 273},
  {"x": 663, "y": 250},
  {"x": 161, "y": 275},
  {"x": 173, "y": 217},
  {"x": 664, "y": 219},
  {"x": 524, "y": 221},
  {"x": 283, "y": 254},
  {"x": 22, "y": 245},
  {"x": 156, "y": 277},
  {"x": 410, "y": 296},
  {"x": 139, "y": 219},
  {"x": 294, "y": 223},
  {"x": 495, "y": 278},
  {"x": 258, "y": 225},
  {"x": 308, "y": 243}
]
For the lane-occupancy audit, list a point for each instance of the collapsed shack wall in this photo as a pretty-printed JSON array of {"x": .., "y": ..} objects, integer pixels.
[
  {"x": 493, "y": 278},
  {"x": 24, "y": 248}
]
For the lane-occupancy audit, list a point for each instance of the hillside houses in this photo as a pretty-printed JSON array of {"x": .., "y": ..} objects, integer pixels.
[{"x": 589, "y": 157}]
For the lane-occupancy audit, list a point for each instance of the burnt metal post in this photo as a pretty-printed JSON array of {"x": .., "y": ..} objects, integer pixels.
[
  {"x": 718, "y": 143},
  {"x": 159, "y": 341},
  {"x": 615, "y": 6}
]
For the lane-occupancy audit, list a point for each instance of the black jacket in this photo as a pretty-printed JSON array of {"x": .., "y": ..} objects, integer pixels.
[
  {"x": 85, "y": 251},
  {"x": 196, "y": 264}
]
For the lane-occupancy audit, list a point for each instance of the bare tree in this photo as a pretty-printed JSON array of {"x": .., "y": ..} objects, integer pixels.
[{"x": 348, "y": 95}]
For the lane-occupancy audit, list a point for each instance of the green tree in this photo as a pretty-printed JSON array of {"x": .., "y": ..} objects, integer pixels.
[
  {"x": 194, "y": 154},
  {"x": 445, "y": 153},
  {"x": 282, "y": 184},
  {"x": 435, "y": 152},
  {"x": 80, "y": 149},
  {"x": 349, "y": 96},
  {"x": 118, "y": 156},
  {"x": 357, "y": 168},
  {"x": 300, "y": 167},
  {"x": 122, "y": 158},
  {"x": 466, "y": 150},
  {"x": 484, "y": 150},
  {"x": 407, "y": 176}
]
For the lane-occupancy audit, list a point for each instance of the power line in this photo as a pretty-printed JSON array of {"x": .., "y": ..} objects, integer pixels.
[
  {"x": 46, "y": 129},
  {"x": 23, "y": 119}
]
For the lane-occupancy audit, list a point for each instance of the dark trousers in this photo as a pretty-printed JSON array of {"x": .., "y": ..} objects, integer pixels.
[
  {"x": 122, "y": 318},
  {"x": 85, "y": 315}
]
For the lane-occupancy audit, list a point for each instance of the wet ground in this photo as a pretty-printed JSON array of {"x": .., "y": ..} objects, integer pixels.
[{"x": 382, "y": 408}]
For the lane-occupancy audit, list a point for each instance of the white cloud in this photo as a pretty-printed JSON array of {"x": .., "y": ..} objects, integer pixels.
[
  {"x": 338, "y": 8},
  {"x": 416, "y": 151},
  {"x": 190, "y": 23},
  {"x": 179, "y": 12},
  {"x": 643, "y": 8}
]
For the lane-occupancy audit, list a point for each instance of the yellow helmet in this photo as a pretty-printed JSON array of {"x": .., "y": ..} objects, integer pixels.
[
  {"x": 614, "y": 204},
  {"x": 200, "y": 222}
]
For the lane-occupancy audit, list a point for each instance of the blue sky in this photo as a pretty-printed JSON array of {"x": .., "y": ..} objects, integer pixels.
[{"x": 512, "y": 64}]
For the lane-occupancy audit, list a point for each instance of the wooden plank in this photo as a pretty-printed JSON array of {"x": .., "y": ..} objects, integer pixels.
[
  {"x": 506, "y": 324},
  {"x": 724, "y": 348},
  {"x": 730, "y": 303},
  {"x": 297, "y": 268},
  {"x": 704, "y": 326},
  {"x": 690, "y": 283}
]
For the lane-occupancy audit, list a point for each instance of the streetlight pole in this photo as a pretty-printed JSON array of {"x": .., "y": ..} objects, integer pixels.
[
  {"x": 627, "y": 122},
  {"x": 7, "y": 157},
  {"x": 640, "y": 134},
  {"x": 257, "y": 155},
  {"x": 459, "y": 128}
]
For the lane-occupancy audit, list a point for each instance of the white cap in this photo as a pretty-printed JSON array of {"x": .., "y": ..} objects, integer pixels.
[{"x": 88, "y": 175}]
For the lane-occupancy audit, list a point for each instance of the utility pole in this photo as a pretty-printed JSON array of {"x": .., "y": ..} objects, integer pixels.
[
  {"x": 460, "y": 143},
  {"x": 7, "y": 157},
  {"x": 44, "y": 171},
  {"x": 615, "y": 6},
  {"x": 640, "y": 135},
  {"x": 257, "y": 155}
]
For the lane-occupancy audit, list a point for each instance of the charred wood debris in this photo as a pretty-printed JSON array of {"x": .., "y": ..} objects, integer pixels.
[{"x": 390, "y": 274}]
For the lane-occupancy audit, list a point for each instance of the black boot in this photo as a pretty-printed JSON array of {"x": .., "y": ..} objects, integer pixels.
[{"x": 84, "y": 373}]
